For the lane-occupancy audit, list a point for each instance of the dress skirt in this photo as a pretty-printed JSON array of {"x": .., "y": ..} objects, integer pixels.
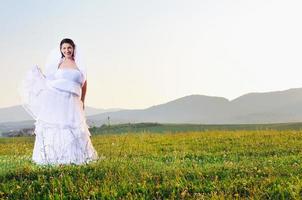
[{"x": 61, "y": 132}]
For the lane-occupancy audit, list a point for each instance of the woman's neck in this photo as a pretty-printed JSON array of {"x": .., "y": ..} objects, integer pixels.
[{"x": 68, "y": 59}]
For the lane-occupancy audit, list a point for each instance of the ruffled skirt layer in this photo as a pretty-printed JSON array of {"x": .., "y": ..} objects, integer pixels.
[{"x": 62, "y": 134}]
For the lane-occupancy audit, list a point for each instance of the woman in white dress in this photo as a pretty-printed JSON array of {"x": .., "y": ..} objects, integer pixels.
[{"x": 55, "y": 99}]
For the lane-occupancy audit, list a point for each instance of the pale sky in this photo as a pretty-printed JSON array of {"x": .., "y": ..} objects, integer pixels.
[{"x": 141, "y": 53}]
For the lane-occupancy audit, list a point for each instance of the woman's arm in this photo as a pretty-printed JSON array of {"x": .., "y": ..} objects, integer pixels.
[{"x": 84, "y": 88}]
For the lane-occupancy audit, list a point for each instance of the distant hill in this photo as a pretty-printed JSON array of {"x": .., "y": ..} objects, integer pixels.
[
  {"x": 252, "y": 108},
  {"x": 17, "y": 113},
  {"x": 269, "y": 107}
]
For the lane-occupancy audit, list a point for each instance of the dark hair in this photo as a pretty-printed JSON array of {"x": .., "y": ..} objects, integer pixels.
[{"x": 69, "y": 41}]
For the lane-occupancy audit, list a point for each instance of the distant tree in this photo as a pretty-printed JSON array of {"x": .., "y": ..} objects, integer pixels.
[{"x": 108, "y": 118}]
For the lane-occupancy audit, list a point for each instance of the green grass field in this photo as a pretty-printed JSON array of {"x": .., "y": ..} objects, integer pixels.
[{"x": 211, "y": 164}]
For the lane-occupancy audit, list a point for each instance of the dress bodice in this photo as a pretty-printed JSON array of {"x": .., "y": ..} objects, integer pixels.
[
  {"x": 69, "y": 74},
  {"x": 68, "y": 80}
]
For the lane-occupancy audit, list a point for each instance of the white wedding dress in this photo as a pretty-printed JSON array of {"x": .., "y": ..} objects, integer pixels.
[{"x": 61, "y": 132}]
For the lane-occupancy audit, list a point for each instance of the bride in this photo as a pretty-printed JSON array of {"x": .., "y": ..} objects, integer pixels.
[{"x": 55, "y": 99}]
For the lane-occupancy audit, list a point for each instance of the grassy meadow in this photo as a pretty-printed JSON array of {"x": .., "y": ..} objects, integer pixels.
[{"x": 208, "y": 164}]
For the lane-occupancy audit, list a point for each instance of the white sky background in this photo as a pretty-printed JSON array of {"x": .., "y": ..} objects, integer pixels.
[{"x": 142, "y": 53}]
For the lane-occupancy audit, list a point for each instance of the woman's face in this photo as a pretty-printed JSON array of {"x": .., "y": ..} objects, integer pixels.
[{"x": 67, "y": 50}]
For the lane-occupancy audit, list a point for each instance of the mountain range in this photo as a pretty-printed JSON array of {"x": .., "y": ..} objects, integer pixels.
[{"x": 251, "y": 108}]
